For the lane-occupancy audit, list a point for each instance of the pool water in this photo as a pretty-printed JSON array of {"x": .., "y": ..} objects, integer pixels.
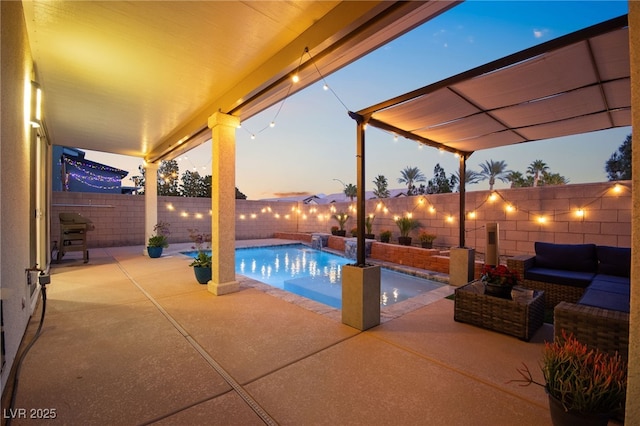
[{"x": 317, "y": 275}]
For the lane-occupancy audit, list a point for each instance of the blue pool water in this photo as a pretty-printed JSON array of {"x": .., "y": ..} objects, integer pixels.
[{"x": 317, "y": 275}]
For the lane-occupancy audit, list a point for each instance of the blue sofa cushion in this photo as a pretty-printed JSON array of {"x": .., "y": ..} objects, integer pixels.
[
  {"x": 612, "y": 279},
  {"x": 614, "y": 261},
  {"x": 568, "y": 257},
  {"x": 558, "y": 276},
  {"x": 611, "y": 286},
  {"x": 605, "y": 300}
]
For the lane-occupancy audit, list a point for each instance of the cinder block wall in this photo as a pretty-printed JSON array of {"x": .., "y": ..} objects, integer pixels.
[{"x": 119, "y": 219}]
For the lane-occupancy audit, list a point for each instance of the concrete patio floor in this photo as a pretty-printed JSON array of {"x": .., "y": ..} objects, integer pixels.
[{"x": 130, "y": 340}]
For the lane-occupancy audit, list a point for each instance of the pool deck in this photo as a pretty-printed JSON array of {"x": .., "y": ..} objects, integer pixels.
[{"x": 133, "y": 340}]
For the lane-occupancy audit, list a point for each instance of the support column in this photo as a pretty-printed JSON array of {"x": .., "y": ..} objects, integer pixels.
[
  {"x": 150, "y": 201},
  {"x": 223, "y": 204}
]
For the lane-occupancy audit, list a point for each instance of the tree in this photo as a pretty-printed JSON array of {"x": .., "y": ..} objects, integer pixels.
[
  {"x": 139, "y": 181},
  {"x": 382, "y": 185},
  {"x": 518, "y": 180},
  {"x": 470, "y": 177},
  {"x": 552, "y": 179},
  {"x": 618, "y": 166},
  {"x": 535, "y": 169},
  {"x": 351, "y": 191},
  {"x": 493, "y": 170},
  {"x": 193, "y": 185},
  {"x": 409, "y": 176},
  {"x": 440, "y": 183},
  {"x": 168, "y": 178}
]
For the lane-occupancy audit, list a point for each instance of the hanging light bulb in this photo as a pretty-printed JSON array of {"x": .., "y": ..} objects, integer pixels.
[
  {"x": 295, "y": 78},
  {"x": 325, "y": 87},
  {"x": 272, "y": 124},
  {"x": 253, "y": 136}
]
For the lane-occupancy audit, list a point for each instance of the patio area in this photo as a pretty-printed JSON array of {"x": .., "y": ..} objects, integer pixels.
[{"x": 133, "y": 340}]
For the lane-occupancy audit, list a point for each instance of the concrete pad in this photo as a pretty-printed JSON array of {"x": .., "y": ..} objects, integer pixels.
[
  {"x": 489, "y": 356},
  {"x": 251, "y": 333},
  {"x": 119, "y": 364},
  {"x": 228, "y": 410},
  {"x": 364, "y": 381}
]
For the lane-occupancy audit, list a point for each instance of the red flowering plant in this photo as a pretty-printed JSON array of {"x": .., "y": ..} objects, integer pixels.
[
  {"x": 499, "y": 275},
  {"x": 582, "y": 379}
]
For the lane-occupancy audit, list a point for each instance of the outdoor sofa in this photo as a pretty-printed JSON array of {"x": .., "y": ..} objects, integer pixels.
[{"x": 589, "y": 288}]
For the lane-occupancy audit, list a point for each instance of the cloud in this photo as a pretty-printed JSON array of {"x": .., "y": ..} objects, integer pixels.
[
  {"x": 291, "y": 194},
  {"x": 540, "y": 33}
]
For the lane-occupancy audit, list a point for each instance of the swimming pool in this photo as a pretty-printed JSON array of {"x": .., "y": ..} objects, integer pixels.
[{"x": 317, "y": 275}]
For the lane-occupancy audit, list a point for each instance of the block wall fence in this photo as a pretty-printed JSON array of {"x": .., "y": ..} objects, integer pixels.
[{"x": 605, "y": 217}]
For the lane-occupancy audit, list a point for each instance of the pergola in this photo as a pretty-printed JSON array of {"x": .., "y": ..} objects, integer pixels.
[{"x": 574, "y": 84}]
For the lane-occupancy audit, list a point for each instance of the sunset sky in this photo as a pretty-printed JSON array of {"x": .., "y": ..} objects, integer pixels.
[{"x": 312, "y": 146}]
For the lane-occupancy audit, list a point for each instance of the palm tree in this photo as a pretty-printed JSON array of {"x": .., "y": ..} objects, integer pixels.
[
  {"x": 470, "y": 177},
  {"x": 554, "y": 179},
  {"x": 536, "y": 168},
  {"x": 350, "y": 190},
  {"x": 382, "y": 185},
  {"x": 517, "y": 179},
  {"x": 409, "y": 176},
  {"x": 493, "y": 170}
]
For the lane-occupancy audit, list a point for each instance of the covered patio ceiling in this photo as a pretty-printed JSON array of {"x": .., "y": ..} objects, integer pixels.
[
  {"x": 142, "y": 78},
  {"x": 574, "y": 84}
]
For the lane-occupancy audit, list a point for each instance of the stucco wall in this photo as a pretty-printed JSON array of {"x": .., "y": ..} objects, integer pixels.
[
  {"x": 15, "y": 153},
  {"x": 119, "y": 219}
]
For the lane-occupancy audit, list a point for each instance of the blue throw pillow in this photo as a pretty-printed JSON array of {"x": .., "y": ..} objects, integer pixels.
[
  {"x": 614, "y": 261},
  {"x": 568, "y": 257}
]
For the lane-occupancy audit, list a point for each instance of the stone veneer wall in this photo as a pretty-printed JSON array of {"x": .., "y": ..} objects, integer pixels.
[{"x": 119, "y": 219}]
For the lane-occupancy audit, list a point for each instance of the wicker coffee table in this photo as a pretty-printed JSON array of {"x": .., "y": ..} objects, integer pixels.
[{"x": 520, "y": 318}]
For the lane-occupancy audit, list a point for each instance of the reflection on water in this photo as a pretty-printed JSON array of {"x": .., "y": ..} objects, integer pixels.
[
  {"x": 268, "y": 264},
  {"x": 300, "y": 266}
]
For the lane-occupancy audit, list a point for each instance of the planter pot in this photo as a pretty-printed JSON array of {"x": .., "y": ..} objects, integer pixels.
[
  {"x": 427, "y": 245},
  {"x": 154, "y": 252},
  {"x": 404, "y": 241},
  {"x": 342, "y": 233},
  {"x": 203, "y": 275},
  {"x": 560, "y": 417},
  {"x": 385, "y": 239},
  {"x": 370, "y": 236},
  {"x": 496, "y": 290}
]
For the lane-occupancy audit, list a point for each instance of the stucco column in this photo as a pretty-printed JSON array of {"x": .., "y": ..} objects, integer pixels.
[
  {"x": 632, "y": 416},
  {"x": 223, "y": 204},
  {"x": 150, "y": 201}
]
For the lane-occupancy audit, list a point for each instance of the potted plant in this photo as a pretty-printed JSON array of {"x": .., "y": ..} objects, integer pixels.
[
  {"x": 426, "y": 239},
  {"x": 202, "y": 262},
  {"x": 406, "y": 225},
  {"x": 342, "y": 219},
  {"x": 385, "y": 236},
  {"x": 158, "y": 241},
  {"x": 585, "y": 386},
  {"x": 499, "y": 280},
  {"x": 368, "y": 224}
]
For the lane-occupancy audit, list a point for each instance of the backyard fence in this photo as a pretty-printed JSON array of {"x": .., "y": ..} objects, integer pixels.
[{"x": 597, "y": 213}]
